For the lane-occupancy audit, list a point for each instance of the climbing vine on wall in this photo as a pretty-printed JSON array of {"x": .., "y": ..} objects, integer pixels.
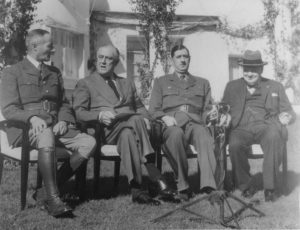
[
  {"x": 155, "y": 20},
  {"x": 15, "y": 19}
]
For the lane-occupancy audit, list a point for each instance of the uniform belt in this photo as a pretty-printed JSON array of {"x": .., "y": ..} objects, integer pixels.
[
  {"x": 184, "y": 108},
  {"x": 45, "y": 105}
]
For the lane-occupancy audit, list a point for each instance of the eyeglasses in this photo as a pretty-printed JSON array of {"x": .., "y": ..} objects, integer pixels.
[{"x": 103, "y": 58}]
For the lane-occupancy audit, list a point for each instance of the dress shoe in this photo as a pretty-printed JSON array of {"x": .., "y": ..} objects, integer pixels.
[
  {"x": 249, "y": 192},
  {"x": 165, "y": 190},
  {"x": 142, "y": 197},
  {"x": 57, "y": 208},
  {"x": 207, "y": 190},
  {"x": 270, "y": 195},
  {"x": 185, "y": 195}
]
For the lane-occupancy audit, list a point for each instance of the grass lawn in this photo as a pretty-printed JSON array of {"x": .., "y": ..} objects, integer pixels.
[{"x": 119, "y": 212}]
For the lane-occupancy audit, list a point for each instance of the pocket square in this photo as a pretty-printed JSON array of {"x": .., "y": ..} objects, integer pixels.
[{"x": 274, "y": 95}]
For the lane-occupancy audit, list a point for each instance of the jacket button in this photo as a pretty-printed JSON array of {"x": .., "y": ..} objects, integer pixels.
[
  {"x": 47, "y": 91},
  {"x": 44, "y": 82}
]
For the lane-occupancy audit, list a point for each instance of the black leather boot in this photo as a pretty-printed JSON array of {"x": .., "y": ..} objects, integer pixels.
[{"x": 47, "y": 167}]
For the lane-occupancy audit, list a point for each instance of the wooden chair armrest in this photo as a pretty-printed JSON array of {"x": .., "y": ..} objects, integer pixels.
[
  {"x": 17, "y": 124},
  {"x": 98, "y": 128},
  {"x": 156, "y": 133}
]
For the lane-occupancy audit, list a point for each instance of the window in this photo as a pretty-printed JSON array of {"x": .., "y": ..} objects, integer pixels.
[
  {"x": 235, "y": 70},
  {"x": 68, "y": 54}
]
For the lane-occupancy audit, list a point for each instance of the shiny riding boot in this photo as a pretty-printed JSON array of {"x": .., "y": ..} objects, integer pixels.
[{"x": 47, "y": 167}]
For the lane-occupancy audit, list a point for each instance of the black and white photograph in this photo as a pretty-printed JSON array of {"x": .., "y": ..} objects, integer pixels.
[{"x": 149, "y": 114}]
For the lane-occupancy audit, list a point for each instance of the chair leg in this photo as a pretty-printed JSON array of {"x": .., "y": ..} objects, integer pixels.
[
  {"x": 24, "y": 181},
  {"x": 284, "y": 171},
  {"x": 39, "y": 179},
  {"x": 81, "y": 180},
  {"x": 158, "y": 159},
  {"x": 117, "y": 176},
  {"x": 1, "y": 166},
  {"x": 96, "y": 172}
]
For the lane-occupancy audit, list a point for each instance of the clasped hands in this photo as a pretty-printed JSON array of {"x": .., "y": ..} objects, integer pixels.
[{"x": 38, "y": 125}]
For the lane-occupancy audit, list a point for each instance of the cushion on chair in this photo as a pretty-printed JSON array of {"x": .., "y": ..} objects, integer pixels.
[
  {"x": 109, "y": 151},
  {"x": 255, "y": 151},
  {"x": 191, "y": 153}
]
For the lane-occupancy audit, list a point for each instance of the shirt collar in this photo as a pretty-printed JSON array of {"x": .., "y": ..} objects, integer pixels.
[
  {"x": 185, "y": 74},
  {"x": 33, "y": 61}
]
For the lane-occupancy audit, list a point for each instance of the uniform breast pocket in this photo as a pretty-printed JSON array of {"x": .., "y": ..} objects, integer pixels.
[
  {"x": 29, "y": 88},
  {"x": 196, "y": 96},
  {"x": 51, "y": 89},
  {"x": 170, "y": 92}
]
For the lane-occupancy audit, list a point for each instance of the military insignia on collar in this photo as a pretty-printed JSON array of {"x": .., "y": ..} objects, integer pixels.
[{"x": 274, "y": 95}]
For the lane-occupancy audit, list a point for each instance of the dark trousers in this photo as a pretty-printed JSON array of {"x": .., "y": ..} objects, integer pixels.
[
  {"x": 240, "y": 140},
  {"x": 133, "y": 144},
  {"x": 176, "y": 142}
]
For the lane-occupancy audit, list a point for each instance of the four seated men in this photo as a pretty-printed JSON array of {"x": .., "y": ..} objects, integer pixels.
[{"x": 259, "y": 114}]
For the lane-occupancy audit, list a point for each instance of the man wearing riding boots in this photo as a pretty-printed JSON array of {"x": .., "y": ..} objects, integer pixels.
[
  {"x": 183, "y": 102},
  {"x": 112, "y": 101},
  {"x": 33, "y": 92},
  {"x": 260, "y": 111}
]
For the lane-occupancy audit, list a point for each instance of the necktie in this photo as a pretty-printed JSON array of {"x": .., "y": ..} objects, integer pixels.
[
  {"x": 113, "y": 86},
  {"x": 182, "y": 77}
]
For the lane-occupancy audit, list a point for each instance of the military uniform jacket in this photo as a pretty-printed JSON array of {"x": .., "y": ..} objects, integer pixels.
[
  {"x": 23, "y": 90},
  {"x": 169, "y": 93},
  {"x": 92, "y": 95},
  {"x": 274, "y": 96}
]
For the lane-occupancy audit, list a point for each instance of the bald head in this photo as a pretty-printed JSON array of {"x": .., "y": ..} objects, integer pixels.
[{"x": 107, "y": 59}]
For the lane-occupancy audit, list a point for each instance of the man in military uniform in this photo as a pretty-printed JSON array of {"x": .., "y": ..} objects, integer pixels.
[
  {"x": 33, "y": 92},
  {"x": 111, "y": 100},
  {"x": 182, "y": 101},
  {"x": 260, "y": 111}
]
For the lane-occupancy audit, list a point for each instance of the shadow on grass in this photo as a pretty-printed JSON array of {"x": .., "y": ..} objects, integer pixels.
[{"x": 293, "y": 181}]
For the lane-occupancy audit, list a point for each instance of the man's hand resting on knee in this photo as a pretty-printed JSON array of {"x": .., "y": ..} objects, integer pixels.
[{"x": 169, "y": 121}]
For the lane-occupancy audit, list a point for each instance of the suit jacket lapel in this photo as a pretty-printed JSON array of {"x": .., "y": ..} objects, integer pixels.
[
  {"x": 45, "y": 71},
  {"x": 265, "y": 89},
  {"x": 190, "y": 81},
  {"x": 102, "y": 88},
  {"x": 174, "y": 79},
  {"x": 30, "y": 69},
  {"x": 242, "y": 92}
]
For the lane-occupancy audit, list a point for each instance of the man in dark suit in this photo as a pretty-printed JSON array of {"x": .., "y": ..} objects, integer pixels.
[
  {"x": 33, "y": 92},
  {"x": 111, "y": 100},
  {"x": 183, "y": 101},
  {"x": 260, "y": 111}
]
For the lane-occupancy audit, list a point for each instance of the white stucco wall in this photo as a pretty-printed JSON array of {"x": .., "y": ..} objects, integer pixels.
[
  {"x": 209, "y": 50},
  {"x": 238, "y": 12},
  {"x": 70, "y": 16},
  {"x": 117, "y": 36}
]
